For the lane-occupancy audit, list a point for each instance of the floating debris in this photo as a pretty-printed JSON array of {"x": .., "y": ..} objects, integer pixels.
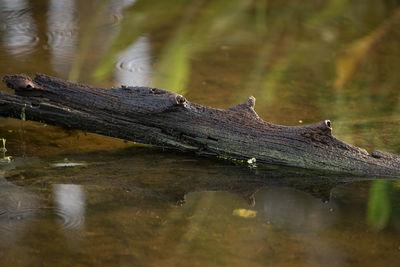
[
  {"x": 244, "y": 213},
  {"x": 252, "y": 163}
]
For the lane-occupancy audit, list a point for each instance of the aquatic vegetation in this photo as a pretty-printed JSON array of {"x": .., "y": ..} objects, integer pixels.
[
  {"x": 379, "y": 207},
  {"x": 382, "y": 209},
  {"x": 23, "y": 117},
  {"x": 3, "y": 149}
]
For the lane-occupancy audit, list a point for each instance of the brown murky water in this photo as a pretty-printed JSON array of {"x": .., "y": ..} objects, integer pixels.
[{"x": 71, "y": 198}]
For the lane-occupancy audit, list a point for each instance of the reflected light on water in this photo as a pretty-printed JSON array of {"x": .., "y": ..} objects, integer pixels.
[
  {"x": 20, "y": 32},
  {"x": 134, "y": 64},
  {"x": 70, "y": 206},
  {"x": 62, "y": 34}
]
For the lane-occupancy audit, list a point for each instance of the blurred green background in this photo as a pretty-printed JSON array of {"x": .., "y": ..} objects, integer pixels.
[{"x": 304, "y": 61}]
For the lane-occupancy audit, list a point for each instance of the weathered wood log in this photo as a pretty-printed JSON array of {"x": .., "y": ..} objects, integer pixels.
[{"x": 162, "y": 118}]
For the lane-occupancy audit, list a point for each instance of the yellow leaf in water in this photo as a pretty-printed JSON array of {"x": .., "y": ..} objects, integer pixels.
[{"x": 244, "y": 213}]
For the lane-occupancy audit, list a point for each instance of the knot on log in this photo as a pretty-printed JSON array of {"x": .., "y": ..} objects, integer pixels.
[
  {"x": 180, "y": 100},
  {"x": 324, "y": 127},
  {"x": 23, "y": 85},
  {"x": 328, "y": 124},
  {"x": 149, "y": 100},
  {"x": 18, "y": 82},
  {"x": 320, "y": 132}
]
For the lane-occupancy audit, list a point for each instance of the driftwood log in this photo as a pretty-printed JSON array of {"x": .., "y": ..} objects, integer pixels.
[{"x": 162, "y": 118}]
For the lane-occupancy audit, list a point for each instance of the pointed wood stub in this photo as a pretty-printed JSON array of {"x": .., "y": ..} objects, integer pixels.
[{"x": 247, "y": 107}]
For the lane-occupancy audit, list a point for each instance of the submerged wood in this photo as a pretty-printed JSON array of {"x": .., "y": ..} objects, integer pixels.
[{"x": 162, "y": 118}]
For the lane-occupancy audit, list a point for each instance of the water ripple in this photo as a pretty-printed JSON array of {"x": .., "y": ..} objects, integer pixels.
[
  {"x": 134, "y": 66},
  {"x": 116, "y": 9},
  {"x": 57, "y": 38},
  {"x": 19, "y": 32},
  {"x": 115, "y": 19},
  {"x": 17, "y": 209},
  {"x": 70, "y": 221},
  {"x": 70, "y": 206}
]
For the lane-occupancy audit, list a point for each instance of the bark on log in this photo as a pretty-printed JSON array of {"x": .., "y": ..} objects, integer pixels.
[{"x": 162, "y": 118}]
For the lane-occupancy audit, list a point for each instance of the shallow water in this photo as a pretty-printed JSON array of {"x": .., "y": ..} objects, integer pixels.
[{"x": 72, "y": 198}]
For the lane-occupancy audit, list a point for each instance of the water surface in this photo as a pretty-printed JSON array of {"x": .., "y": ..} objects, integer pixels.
[{"x": 74, "y": 198}]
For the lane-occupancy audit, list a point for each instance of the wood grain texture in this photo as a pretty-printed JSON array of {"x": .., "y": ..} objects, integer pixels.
[{"x": 162, "y": 118}]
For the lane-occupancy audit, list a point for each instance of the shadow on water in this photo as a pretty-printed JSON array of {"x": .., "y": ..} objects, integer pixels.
[{"x": 153, "y": 173}]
